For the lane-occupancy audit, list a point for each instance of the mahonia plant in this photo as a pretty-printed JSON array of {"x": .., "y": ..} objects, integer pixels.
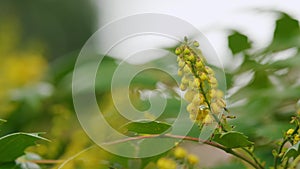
[
  {"x": 206, "y": 101},
  {"x": 206, "y": 104}
]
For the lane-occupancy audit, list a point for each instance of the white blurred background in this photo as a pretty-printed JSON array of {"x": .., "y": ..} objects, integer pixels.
[{"x": 213, "y": 18}]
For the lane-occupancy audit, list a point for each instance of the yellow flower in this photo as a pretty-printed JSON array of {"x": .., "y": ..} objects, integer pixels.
[
  {"x": 191, "y": 108},
  {"x": 180, "y": 152},
  {"x": 186, "y": 69},
  {"x": 166, "y": 163},
  {"x": 290, "y": 132},
  {"x": 183, "y": 87},
  {"x": 208, "y": 119},
  {"x": 296, "y": 138},
  {"x": 196, "y": 44},
  {"x": 179, "y": 73},
  {"x": 186, "y": 51},
  {"x": 199, "y": 65},
  {"x": 192, "y": 159},
  {"x": 215, "y": 108},
  {"x": 21, "y": 70},
  {"x": 189, "y": 95}
]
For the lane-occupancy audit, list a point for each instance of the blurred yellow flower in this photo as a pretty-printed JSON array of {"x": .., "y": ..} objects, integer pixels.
[
  {"x": 18, "y": 67},
  {"x": 180, "y": 152},
  {"x": 166, "y": 163},
  {"x": 193, "y": 159},
  {"x": 290, "y": 131}
]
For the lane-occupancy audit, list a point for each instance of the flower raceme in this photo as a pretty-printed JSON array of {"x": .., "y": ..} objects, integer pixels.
[{"x": 199, "y": 83}]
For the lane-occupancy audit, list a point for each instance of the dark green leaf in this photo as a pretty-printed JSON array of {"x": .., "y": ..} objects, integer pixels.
[
  {"x": 286, "y": 34},
  {"x": 13, "y": 145},
  {"x": 146, "y": 127},
  {"x": 10, "y": 165},
  {"x": 238, "y": 42},
  {"x": 151, "y": 165},
  {"x": 293, "y": 151},
  {"x": 233, "y": 139}
]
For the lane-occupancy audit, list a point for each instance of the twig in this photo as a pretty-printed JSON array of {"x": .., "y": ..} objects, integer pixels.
[
  {"x": 276, "y": 158},
  {"x": 254, "y": 157},
  {"x": 213, "y": 144},
  {"x": 46, "y": 161}
]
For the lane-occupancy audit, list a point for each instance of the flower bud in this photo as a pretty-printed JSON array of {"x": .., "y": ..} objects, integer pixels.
[
  {"x": 181, "y": 63},
  {"x": 208, "y": 119},
  {"x": 209, "y": 70},
  {"x": 203, "y": 77},
  {"x": 192, "y": 159},
  {"x": 191, "y": 58},
  {"x": 191, "y": 108},
  {"x": 186, "y": 51},
  {"x": 212, "y": 80},
  {"x": 219, "y": 94},
  {"x": 186, "y": 69},
  {"x": 189, "y": 95},
  {"x": 213, "y": 93},
  {"x": 179, "y": 72},
  {"x": 178, "y": 51},
  {"x": 199, "y": 64},
  {"x": 296, "y": 138},
  {"x": 196, "y": 83},
  {"x": 290, "y": 132},
  {"x": 196, "y": 44},
  {"x": 221, "y": 103},
  {"x": 166, "y": 163},
  {"x": 180, "y": 152},
  {"x": 185, "y": 80},
  {"x": 183, "y": 87},
  {"x": 215, "y": 108}
]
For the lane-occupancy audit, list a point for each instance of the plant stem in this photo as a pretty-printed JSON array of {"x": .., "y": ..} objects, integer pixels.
[
  {"x": 276, "y": 158},
  {"x": 213, "y": 144},
  {"x": 253, "y": 156},
  {"x": 46, "y": 161}
]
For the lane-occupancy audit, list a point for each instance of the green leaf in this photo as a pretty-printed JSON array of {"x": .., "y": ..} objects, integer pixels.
[
  {"x": 293, "y": 151},
  {"x": 151, "y": 165},
  {"x": 13, "y": 145},
  {"x": 10, "y": 165},
  {"x": 233, "y": 139},
  {"x": 286, "y": 34},
  {"x": 147, "y": 127},
  {"x": 238, "y": 42}
]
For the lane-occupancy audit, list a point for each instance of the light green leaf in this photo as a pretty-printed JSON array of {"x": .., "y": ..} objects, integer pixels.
[
  {"x": 13, "y": 145},
  {"x": 293, "y": 151},
  {"x": 233, "y": 139},
  {"x": 147, "y": 127}
]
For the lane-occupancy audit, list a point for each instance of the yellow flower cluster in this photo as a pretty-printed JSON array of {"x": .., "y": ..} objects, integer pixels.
[
  {"x": 180, "y": 157},
  {"x": 199, "y": 82},
  {"x": 295, "y": 136},
  {"x": 18, "y": 67},
  {"x": 181, "y": 153}
]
